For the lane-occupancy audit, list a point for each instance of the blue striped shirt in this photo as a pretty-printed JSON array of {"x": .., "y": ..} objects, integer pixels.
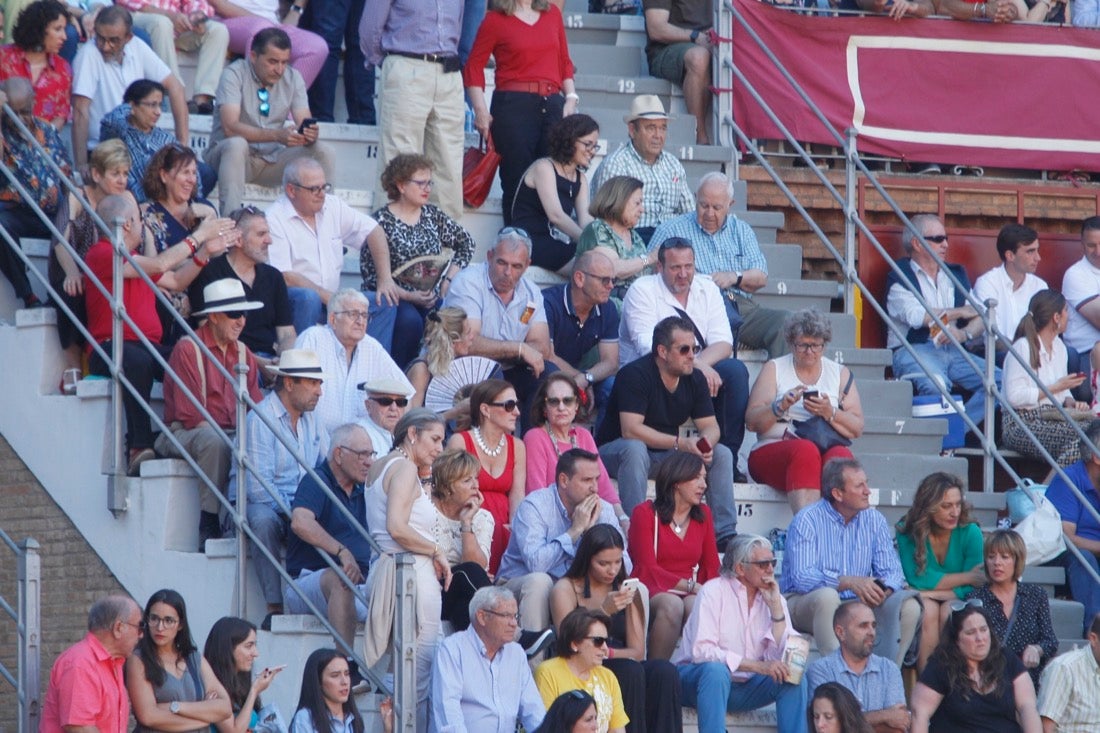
[
  {"x": 730, "y": 249},
  {"x": 821, "y": 547}
]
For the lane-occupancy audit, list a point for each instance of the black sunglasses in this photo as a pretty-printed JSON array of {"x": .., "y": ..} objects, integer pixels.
[
  {"x": 387, "y": 401},
  {"x": 555, "y": 401},
  {"x": 233, "y": 315},
  {"x": 937, "y": 238},
  {"x": 683, "y": 349},
  {"x": 265, "y": 107},
  {"x": 508, "y": 405},
  {"x": 598, "y": 640}
]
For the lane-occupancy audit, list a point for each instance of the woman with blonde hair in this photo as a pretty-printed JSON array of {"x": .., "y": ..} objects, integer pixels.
[
  {"x": 941, "y": 552},
  {"x": 1036, "y": 340},
  {"x": 616, "y": 209},
  {"x": 446, "y": 338}
]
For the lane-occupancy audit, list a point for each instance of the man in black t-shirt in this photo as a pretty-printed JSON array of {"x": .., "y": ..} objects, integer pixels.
[
  {"x": 652, "y": 397},
  {"x": 268, "y": 330}
]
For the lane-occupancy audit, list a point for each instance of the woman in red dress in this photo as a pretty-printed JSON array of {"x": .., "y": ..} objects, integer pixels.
[{"x": 494, "y": 409}]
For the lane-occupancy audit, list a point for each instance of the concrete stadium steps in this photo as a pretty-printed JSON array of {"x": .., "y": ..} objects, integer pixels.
[
  {"x": 889, "y": 435},
  {"x": 795, "y": 294},
  {"x": 583, "y": 27},
  {"x": 624, "y": 61},
  {"x": 784, "y": 260}
]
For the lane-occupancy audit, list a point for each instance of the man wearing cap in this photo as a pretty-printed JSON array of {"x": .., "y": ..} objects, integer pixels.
[
  {"x": 298, "y": 378},
  {"x": 679, "y": 50},
  {"x": 269, "y": 330},
  {"x": 350, "y": 357},
  {"x": 665, "y": 190},
  {"x": 224, "y": 312},
  {"x": 386, "y": 402}
]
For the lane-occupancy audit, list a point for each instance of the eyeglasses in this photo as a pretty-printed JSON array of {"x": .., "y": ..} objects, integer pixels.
[
  {"x": 423, "y": 184},
  {"x": 237, "y": 214},
  {"x": 590, "y": 147},
  {"x": 597, "y": 640},
  {"x": 960, "y": 605},
  {"x": 508, "y": 405},
  {"x": 140, "y": 625},
  {"x": 105, "y": 42},
  {"x": 265, "y": 106},
  {"x": 353, "y": 315},
  {"x": 149, "y": 105},
  {"x": 387, "y": 401},
  {"x": 561, "y": 401},
  {"x": 167, "y": 622},
  {"x": 605, "y": 281},
  {"x": 684, "y": 349},
  {"x": 937, "y": 238},
  {"x": 762, "y": 563},
  {"x": 808, "y": 347},
  {"x": 505, "y": 616},
  {"x": 362, "y": 455},
  {"x": 326, "y": 188}
]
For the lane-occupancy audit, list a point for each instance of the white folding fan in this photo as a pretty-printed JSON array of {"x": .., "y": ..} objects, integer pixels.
[{"x": 465, "y": 371}]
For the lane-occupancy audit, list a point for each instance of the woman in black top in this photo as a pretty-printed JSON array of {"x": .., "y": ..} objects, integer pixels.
[{"x": 970, "y": 684}]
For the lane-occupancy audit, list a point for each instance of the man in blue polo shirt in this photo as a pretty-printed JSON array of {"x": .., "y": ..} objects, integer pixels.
[
  {"x": 318, "y": 525},
  {"x": 584, "y": 327},
  {"x": 1078, "y": 523}
]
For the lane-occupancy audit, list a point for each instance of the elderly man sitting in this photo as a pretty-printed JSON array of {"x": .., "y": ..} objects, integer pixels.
[
  {"x": 732, "y": 647},
  {"x": 350, "y": 357},
  {"x": 387, "y": 402}
]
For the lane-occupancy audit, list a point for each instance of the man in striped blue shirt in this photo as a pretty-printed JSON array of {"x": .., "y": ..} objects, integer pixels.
[{"x": 840, "y": 548}]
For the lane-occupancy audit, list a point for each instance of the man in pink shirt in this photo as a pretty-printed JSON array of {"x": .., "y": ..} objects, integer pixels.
[
  {"x": 87, "y": 692},
  {"x": 730, "y": 655}
]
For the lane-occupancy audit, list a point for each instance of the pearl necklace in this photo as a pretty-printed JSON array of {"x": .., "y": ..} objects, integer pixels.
[{"x": 484, "y": 448}]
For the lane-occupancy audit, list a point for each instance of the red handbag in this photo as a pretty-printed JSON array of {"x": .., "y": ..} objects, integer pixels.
[{"x": 479, "y": 168}]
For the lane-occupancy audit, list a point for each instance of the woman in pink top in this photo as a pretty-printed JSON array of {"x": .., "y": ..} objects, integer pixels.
[{"x": 553, "y": 415}]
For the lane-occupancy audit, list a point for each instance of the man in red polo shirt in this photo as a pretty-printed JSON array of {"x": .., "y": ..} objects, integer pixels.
[
  {"x": 87, "y": 691},
  {"x": 172, "y": 269}
]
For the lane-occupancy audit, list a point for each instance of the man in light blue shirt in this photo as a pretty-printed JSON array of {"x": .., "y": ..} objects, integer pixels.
[
  {"x": 839, "y": 548},
  {"x": 481, "y": 681},
  {"x": 290, "y": 407},
  {"x": 875, "y": 681},
  {"x": 546, "y": 530}
]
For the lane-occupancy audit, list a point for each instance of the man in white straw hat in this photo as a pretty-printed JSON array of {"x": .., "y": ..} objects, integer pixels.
[
  {"x": 273, "y": 482},
  {"x": 665, "y": 190},
  {"x": 225, "y": 308}
]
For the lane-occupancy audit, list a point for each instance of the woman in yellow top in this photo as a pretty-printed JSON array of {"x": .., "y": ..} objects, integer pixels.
[{"x": 582, "y": 647}]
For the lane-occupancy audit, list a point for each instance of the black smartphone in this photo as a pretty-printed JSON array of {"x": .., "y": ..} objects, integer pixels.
[
  {"x": 880, "y": 584},
  {"x": 307, "y": 122},
  {"x": 811, "y": 393}
]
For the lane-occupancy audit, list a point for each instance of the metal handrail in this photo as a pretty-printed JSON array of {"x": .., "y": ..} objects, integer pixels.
[
  {"x": 984, "y": 310},
  {"x": 238, "y": 385},
  {"x": 27, "y": 615}
]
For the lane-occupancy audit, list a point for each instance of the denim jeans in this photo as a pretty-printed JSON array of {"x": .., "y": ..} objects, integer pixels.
[
  {"x": 337, "y": 21},
  {"x": 950, "y": 366},
  {"x": 709, "y": 688}
]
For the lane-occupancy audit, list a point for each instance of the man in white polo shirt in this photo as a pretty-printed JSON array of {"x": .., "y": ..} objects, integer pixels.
[
  {"x": 1081, "y": 286},
  {"x": 104, "y": 68},
  {"x": 1014, "y": 282}
]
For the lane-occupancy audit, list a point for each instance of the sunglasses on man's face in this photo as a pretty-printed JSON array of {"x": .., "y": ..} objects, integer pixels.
[{"x": 387, "y": 401}]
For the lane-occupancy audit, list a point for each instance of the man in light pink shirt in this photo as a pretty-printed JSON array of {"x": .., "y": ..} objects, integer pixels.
[
  {"x": 87, "y": 692},
  {"x": 729, "y": 656}
]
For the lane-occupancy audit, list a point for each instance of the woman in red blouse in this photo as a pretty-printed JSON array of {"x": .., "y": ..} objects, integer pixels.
[
  {"x": 534, "y": 84},
  {"x": 678, "y": 529},
  {"x": 39, "y": 34}
]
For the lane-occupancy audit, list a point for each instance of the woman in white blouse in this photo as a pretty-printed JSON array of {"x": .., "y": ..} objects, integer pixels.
[{"x": 1037, "y": 342}]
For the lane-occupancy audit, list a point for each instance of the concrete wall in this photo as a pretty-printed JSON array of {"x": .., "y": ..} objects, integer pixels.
[{"x": 73, "y": 576}]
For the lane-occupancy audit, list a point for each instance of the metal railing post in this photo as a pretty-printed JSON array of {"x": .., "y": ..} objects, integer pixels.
[
  {"x": 850, "y": 214},
  {"x": 242, "y": 492},
  {"x": 30, "y": 643},
  {"x": 117, "y": 495},
  {"x": 404, "y": 645},
  {"x": 990, "y": 400}
]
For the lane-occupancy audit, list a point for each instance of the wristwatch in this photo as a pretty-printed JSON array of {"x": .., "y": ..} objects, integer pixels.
[
  {"x": 740, "y": 277},
  {"x": 588, "y": 376},
  {"x": 174, "y": 707},
  {"x": 694, "y": 35}
]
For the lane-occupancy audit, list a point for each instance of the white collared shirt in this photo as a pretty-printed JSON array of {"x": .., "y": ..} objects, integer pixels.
[
  {"x": 648, "y": 302},
  {"x": 1080, "y": 285},
  {"x": 316, "y": 253},
  {"x": 1011, "y": 304}
]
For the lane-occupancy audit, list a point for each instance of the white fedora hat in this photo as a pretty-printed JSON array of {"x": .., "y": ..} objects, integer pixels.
[
  {"x": 646, "y": 107},
  {"x": 298, "y": 363},
  {"x": 225, "y": 295}
]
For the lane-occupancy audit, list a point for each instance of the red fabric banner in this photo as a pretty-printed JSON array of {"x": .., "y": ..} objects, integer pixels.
[{"x": 939, "y": 90}]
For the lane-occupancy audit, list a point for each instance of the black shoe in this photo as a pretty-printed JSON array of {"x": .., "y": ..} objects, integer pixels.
[
  {"x": 724, "y": 542},
  {"x": 266, "y": 625},
  {"x": 359, "y": 684},
  {"x": 209, "y": 529},
  {"x": 740, "y": 477},
  {"x": 535, "y": 642}
]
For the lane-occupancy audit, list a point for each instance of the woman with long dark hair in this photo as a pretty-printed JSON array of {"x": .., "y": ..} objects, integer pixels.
[
  {"x": 1036, "y": 340},
  {"x": 167, "y": 668},
  {"x": 573, "y": 712},
  {"x": 230, "y": 650},
  {"x": 326, "y": 696},
  {"x": 941, "y": 552},
  {"x": 970, "y": 684},
  {"x": 834, "y": 709},
  {"x": 650, "y": 688},
  {"x": 677, "y": 528}
]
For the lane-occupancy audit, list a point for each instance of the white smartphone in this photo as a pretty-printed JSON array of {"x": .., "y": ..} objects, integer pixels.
[{"x": 630, "y": 584}]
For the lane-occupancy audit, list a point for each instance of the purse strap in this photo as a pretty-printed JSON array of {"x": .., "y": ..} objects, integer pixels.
[
  {"x": 698, "y": 334},
  {"x": 847, "y": 387},
  {"x": 656, "y": 521}
]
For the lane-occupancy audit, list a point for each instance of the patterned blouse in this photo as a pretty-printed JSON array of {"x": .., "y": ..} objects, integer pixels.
[
  {"x": 54, "y": 88},
  {"x": 1032, "y": 624},
  {"x": 31, "y": 170},
  {"x": 142, "y": 146},
  {"x": 429, "y": 236}
]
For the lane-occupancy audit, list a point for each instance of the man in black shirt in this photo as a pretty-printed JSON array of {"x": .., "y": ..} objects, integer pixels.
[{"x": 652, "y": 397}]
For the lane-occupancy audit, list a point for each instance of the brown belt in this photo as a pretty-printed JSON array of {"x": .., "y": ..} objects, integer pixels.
[{"x": 541, "y": 88}]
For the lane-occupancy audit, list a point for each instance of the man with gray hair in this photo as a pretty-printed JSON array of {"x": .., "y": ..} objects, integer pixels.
[
  {"x": 506, "y": 313},
  {"x": 481, "y": 680},
  {"x": 839, "y": 549},
  {"x": 350, "y": 356},
  {"x": 310, "y": 229},
  {"x": 727, "y": 250},
  {"x": 319, "y": 525},
  {"x": 87, "y": 691},
  {"x": 731, "y": 654}
]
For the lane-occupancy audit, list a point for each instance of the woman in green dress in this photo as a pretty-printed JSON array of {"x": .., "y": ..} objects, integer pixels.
[{"x": 617, "y": 208}]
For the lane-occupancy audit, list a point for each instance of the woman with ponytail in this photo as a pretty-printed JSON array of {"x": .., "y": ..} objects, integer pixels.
[{"x": 1037, "y": 342}]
